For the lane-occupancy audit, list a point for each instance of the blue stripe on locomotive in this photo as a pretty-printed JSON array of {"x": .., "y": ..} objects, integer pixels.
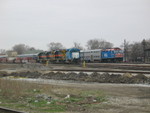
[
  {"x": 108, "y": 54},
  {"x": 69, "y": 53}
]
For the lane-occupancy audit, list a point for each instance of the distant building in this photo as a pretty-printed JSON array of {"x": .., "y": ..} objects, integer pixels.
[{"x": 12, "y": 53}]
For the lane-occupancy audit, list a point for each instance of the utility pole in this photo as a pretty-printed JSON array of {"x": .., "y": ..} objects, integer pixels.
[
  {"x": 144, "y": 47},
  {"x": 125, "y": 51}
]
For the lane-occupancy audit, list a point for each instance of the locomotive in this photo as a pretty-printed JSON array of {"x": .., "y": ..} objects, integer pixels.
[
  {"x": 112, "y": 55},
  {"x": 60, "y": 56}
]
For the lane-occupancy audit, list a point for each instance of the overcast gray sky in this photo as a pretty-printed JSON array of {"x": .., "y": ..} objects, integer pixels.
[{"x": 39, "y": 22}]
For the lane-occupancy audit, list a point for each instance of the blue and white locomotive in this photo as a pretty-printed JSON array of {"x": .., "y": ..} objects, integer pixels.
[{"x": 112, "y": 55}]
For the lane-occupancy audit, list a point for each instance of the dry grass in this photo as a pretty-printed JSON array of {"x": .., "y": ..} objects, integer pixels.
[
  {"x": 15, "y": 89},
  {"x": 23, "y": 95}
]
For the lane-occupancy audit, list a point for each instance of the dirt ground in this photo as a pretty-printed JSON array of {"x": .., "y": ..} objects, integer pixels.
[{"x": 122, "y": 98}]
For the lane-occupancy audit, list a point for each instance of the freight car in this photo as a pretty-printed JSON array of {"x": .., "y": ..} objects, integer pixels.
[
  {"x": 24, "y": 58},
  {"x": 3, "y": 58}
]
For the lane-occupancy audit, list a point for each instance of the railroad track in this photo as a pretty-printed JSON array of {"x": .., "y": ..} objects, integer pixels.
[
  {"x": 105, "y": 70},
  {"x": 120, "y": 66},
  {"x": 6, "y": 110}
]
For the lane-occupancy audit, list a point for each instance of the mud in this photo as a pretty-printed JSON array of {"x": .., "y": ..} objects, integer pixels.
[
  {"x": 93, "y": 77},
  {"x": 96, "y": 77}
]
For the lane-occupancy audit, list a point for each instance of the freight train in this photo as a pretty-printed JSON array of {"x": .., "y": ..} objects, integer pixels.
[{"x": 72, "y": 55}]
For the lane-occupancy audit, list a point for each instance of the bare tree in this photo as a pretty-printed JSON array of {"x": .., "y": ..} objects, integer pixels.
[
  {"x": 148, "y": 44},
  {"x": 105, "y": 44},
  {"x": 98, "y": 44},
  {"x": 77, "y": 45},
  {"x": 126, "y": 46},
  {"x": 20, "y": 48},
  {"x": 54, "y": 46},
  {"x": 93, "y": 44},
  {"x": 136, "y": 52},
  {"x": 144, "y": 43}
]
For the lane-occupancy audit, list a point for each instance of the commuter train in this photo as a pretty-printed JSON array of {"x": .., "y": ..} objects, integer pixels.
[
  {"x": 102, "y": 55},
  {"x": 72, "y": 55}
]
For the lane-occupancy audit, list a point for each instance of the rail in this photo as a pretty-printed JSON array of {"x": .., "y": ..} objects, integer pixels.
[
  {"x": 105, "y": 70},
  {"x": 6, "y": 110}
]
